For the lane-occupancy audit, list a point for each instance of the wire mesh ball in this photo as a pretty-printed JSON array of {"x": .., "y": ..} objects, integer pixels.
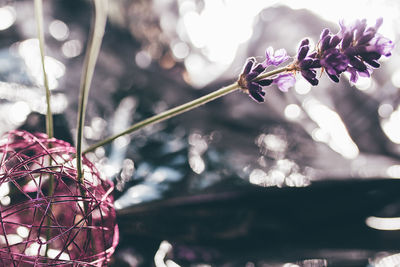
[{"x": 48, "y": 218}]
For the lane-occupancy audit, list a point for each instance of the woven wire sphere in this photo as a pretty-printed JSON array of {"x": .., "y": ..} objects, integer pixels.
[{"x": 75, "y": 225}]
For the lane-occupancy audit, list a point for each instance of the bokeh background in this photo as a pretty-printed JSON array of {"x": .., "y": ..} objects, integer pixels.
[{"x": 308, "y": 178}]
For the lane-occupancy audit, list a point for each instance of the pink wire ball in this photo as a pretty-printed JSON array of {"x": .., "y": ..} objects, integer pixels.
[{"x": 60, "y": 228}]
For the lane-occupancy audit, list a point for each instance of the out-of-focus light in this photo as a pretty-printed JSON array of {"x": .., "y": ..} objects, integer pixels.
[
  {"x": 385, "y": 110},
  {"x": 385, "y": 224},
  {"x": 5, "y": 201},
  {"x": 388, "y": 261},
  {"x": 137, "y": 194},
  {"x": 272, "y": 142},
  {"x": 330, "y": 122},
  {"x": 302, "y": 87},
  {"x": 200, "y": 71},
  {"x": 13, "y": 239},
  {"x": 364, "y": 83},
  {"x": 186, "y": 6},
  {"x": 161, "y": 253},
  {"x": 29, "y": 51},
  {"x": 391, "y": 126},
  {"x": 55, "y": 253},
  {"x": 18, "y": 112},
  {"x": 396, "y": 78},
  {"x": 7, "y": 17},
  {"x": 197, "y": 163},
  {"x": 4, "y": 189},
  {"x": 71, "y": 48},
  {"x": 393, "y": 171},
  {"x": 320, "y": 135},
  {"x": 143, "y": 59},
  {"x": 292, "y": 111},
  {"x": 290, "y": 265},
  {"x": 180, "y": 50},
  {"x": 59, "y": 30},
  {"x": 258, "y": 177},
  {"x": 356, "y": 9},
  {"x": 23, "y": 231}
]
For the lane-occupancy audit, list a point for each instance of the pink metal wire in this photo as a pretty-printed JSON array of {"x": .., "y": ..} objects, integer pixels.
[{"x": 63, "y": 228}]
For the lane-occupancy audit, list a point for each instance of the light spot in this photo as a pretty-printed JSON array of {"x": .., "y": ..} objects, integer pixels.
[
  {"x": 59, "y": 30},
  {"x": 72, "y": 48},
  {"x": 143, "y": 59},
  {"x": 4, "y": 189},
  {"x": 385, "y": 224},
  {"x": 388, "y": 261},
  {"x": 257, "y": 176},
  {"x": 30, "y": 52},
  {"x": 14, "y": 239},
  {"x": 161, "y": 253},
  {"x": 196, "y": 163},
  {"x": 18, "y": 112},
  {"x": 292, "y": 111},
  {"x": 54, "y": 253},
  {"x": 363, "y": 83},
  {"x": 5, "y": 201},
  {"x": 391, "y": 126},
  {"x": 302, "y": 87},
  {"x": 385, "y": 110},
  {"x": 23, "y": 231},
  {"x": 180, "y": 50},
  {"x": 330, "y": 123},
  {"x": 396, "y": 78},
  {"x": 7, "y": 17},
  {"x": 393, "y": 171},
  {"x": 272, "y": 142}
]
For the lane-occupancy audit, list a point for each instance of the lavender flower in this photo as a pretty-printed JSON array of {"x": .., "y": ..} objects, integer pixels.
[
  {"x": 363, "y": 46},
  {"x": 251, "y": 71},
  {"x": 355, "y": 49},
  {"x": 331, "y": 58},
  {"x": 276, "y": 58},
  {"x": 306, "y": 63},
  {"x": 253, "y": 88},
  {"x": 285, "y": 81}
]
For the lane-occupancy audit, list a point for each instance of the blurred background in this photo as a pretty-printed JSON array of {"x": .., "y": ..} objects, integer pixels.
[{"x": 308, "y": 178}]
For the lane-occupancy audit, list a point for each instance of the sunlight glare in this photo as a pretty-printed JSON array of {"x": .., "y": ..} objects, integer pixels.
[
  {"x": 331, "y": 124},
  {"x": 391, "y": 126}
]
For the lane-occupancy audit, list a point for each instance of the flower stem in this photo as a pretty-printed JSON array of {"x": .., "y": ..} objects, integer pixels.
[
  {"x": 92, "y": 53},
  {"x": 180, "y": 109},
  {"x": 39, "y": 25},
  {"x": 38, "y": 6}
]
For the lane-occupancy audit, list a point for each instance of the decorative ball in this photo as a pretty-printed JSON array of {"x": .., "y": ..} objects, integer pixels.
[{"x": 47, "y": 217}]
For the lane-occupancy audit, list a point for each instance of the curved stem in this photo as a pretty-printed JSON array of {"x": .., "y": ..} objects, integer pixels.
[
  {"x": 39, "y": 25},
  {"x": 181, "y": 109},
  {"x": 92, "y": 53}
]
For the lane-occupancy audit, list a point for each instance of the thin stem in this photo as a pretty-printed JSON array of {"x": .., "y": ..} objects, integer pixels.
[
  {"x": 39, "y": 25},
  {"x": 92, "y": 53},
  {"x": 49, "y": 116},
  {"x": 180, "y": 109}
]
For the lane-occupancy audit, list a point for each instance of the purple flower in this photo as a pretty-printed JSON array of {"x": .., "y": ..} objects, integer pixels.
[
  {"x": 381, "y": 45},
  {"x": 334, "y": 63},
  {"x": 276, "y": 58},
  {"x": 363, "y": 46},
  {"x": 331, "y": 58},
  {"x": 307, "y": 63},
  {"x": 246, "y": 83},
  {"x": 251, "y": 71},
  {"x": 285, "y": 81}
]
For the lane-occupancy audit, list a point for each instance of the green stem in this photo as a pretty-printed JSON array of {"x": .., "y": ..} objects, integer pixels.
[
  {"x": 181, "y": 109},
  {"x": 49, "y": 116},
  {"x": 92, "y": 53},
  {"x": 39, "y": 25}
]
